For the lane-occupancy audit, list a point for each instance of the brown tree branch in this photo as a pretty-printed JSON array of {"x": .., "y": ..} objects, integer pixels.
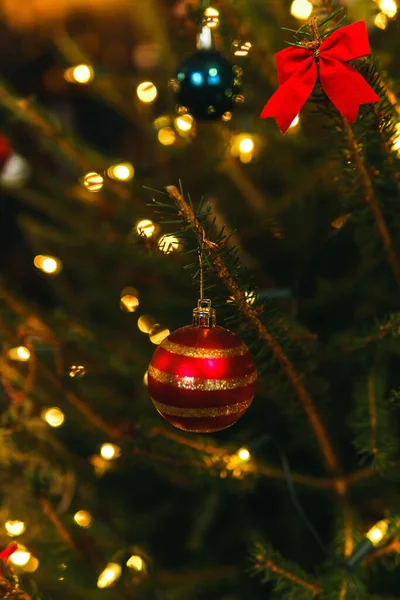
[
  {"x": 271, "y": 566},
  {"x": 252, "y": 317},
  {"x": 64, "y": 534}
]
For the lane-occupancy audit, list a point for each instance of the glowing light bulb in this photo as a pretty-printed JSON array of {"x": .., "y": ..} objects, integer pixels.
[
  {"x": 110, "y": 451},
  {"x": 388, "y": 7},
  {"x": 381, "y": 20},
  {"x": 227, "y": 116},
  {"x": 93, "y": 181},
  {"x": 168, "y": 243},
  {"x": 110, "y": 575},
  {"x": 53, "y": 416},
  {"x": 32, "y": 565},
  {"x": 301, "y": 9},
  {"x": 158, "y": 333},
  {"x": 121, "y": 172},
  {"x": 83, "y": 518},
  {"x": 244, "y": 454},
  {"x": 246, "y": 145},
  {"x": 166, "y": 136},
  {"x": 15, "y": 528},
  {"x": 20, "y": 557},
  {"x": 135, "y": 562},
  {"x": 295, "y": 122},
  {"x": 184, "y": 123},
  {"x": 396, "y": 140},
  {"x": 77, "y": 371},
  {"x": 146, "y": 92},
  {"x": 129, "y": 303},
  {"x": 79, "y": 74},
  {"x": 378, "y": 532},
  {"x": 211, "y": 17},
  {"x": 20, "y": 353},
  {"x": 145, "y": 228},
  {"x": 48, "y": 264},
  {"x": 145, "y": 323}
]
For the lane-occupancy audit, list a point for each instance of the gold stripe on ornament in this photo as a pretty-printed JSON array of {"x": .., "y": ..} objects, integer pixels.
[
  {"x": 211, "y": 411},
  {"x": 200, "y": 384},
  {"x": 203, "y": 352}
]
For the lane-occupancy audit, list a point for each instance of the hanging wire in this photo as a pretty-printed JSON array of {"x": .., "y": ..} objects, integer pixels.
[{"x": 200, "y": 251}]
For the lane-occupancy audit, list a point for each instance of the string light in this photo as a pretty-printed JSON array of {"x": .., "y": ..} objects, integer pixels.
[
  {"x": 77, "y": 371},
  {"x": 388, "y": 7},
  {"x": 53, "y": 416},
  {"x": 20, "y": 557},
  {"x": 136, "y": 562},
  {"x": 396, "y": 140},
  {"x": 145, "y": 323},
  {"x": 166, "y": 136},
  {"x": 242, "y": 49},
  {"x": 158, "y": 333},
  {"x": 211, "y": 17},
  {"x": 145, "y": 228},
  {"x": 246, "y": 145},
  {"x": 48, "y": 264},
  {"x": 227, "y": 116},
  {"x": 110, "y": 451},
  {"x": 378, "y": 532},
  {"x": 381, "y": 20},
  {"x": 32, "y": 565},
  {"x": 15, "y": 528},
  {"x": 129, "y": 303},
  {"x": 20, "y": 353},
  {"x": 295, "y": 122},
  {"x": 301, "y": 9},
  {"x": 93, "y": 181},
  {"x": 79, "y": 74},
  {"x": 83, "y": 518},
  {"x": 121, "y": 172},
  {"x": 146, "y": 92},
  {"x": 244, "y": 454},
  {"x": 110, "y": 575},
  {"x": 162, "y": 121},
  {"x": 168, "y": 243},
  {"x": 184, "y": 123}
]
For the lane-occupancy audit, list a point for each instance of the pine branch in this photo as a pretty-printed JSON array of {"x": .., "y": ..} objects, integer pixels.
[
  {"x": 64, "y": 534},
  {"x": 252, "y": 317},
  {"x": 386, "y": 147},
  {"x": 371, "y": 200}
]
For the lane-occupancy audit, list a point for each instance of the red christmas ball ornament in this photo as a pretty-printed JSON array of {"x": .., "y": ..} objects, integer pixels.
[
  {"x": 5, "y": 149},
  {"x": 202, "y": 377}
]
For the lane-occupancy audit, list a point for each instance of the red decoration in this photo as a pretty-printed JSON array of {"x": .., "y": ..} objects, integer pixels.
[
  {"x": 298, "y": 70},
  {"x": 202, "y": 379},
  {"x": 5, "y": 151},
  {"x": 6, "y": 553}
]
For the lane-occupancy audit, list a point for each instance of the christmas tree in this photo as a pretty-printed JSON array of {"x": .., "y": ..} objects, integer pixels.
[{"x": 139, "y": 183}]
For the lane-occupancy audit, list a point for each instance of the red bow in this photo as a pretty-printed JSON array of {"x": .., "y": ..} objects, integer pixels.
[
  {"x": 6, "y": 553},
  {"x": 298, "y": 72}
]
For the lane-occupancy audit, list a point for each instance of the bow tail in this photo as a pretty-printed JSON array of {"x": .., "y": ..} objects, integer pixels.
[
  {"x": 286, "y": 103},
  {"x": 345, "y": 87}
]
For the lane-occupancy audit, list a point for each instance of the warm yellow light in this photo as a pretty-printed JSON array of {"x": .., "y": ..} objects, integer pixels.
[
  {"x": 110, "y": 575},
  {"x": 378, "y": 532},
  {"x": 79, "y": 74},
  {"x": 20, "y": 557},
  {"x": 246, "y": 145},
  {"x": 168, "y": 243},
  {"x": 244, "y": 454},
  {"x": 32, "y": 565},
  {"x": 53, "y": 416},
  {"x": 301, "y": 9},
  {"x": 76, "y": 371},
  {"x": 110, "y": 451},
  {"x": 145, "y": 228},
  {"x": 146, "y": 378},
  {"x": 145, "y": 323},
  {"x": 295, "y": 122},
  {"x": 135, "y": 562},
  {"x": 381, "y": 20},
  {"x": 121, "y": 172},
  {"x": 388, "y": 7},
  {"x": 211, "y": 17},
  {"x": 93, "y": 181},
  {"x": 48, "y": 264},
  {"x": 129, "y": 303},
  {"x": 166, "y": 136},
  {"x": 250, "y": 298},
  {"x": 211, "y": 12},
  {"x": 146, "y": 91},
  {"x": 396, "y": 141},
  {"x": 158, "y": 334},
  {"x": 83, "y": 518},
  {"x": 184, "y": 123},
  {"x": 20, "y": 353},
  {"x": 15, "y": 528},
  {"x": 227, "y": 116}
]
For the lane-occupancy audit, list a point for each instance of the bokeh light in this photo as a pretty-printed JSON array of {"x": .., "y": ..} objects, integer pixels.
[
  {"x": 53, "y": 416},
  {"x": 146, "y": 92}
]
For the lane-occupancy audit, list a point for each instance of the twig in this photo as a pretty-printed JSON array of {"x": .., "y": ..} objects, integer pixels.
[
  {"x": 394, "y": 546},
  {"x": 253, "y": 319},
  {"x": 386, "y": 148},
  {"x": 271, "y": 566},
  {"x": 372, "y": 201},
  {"x": 49, "y": 511}
]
